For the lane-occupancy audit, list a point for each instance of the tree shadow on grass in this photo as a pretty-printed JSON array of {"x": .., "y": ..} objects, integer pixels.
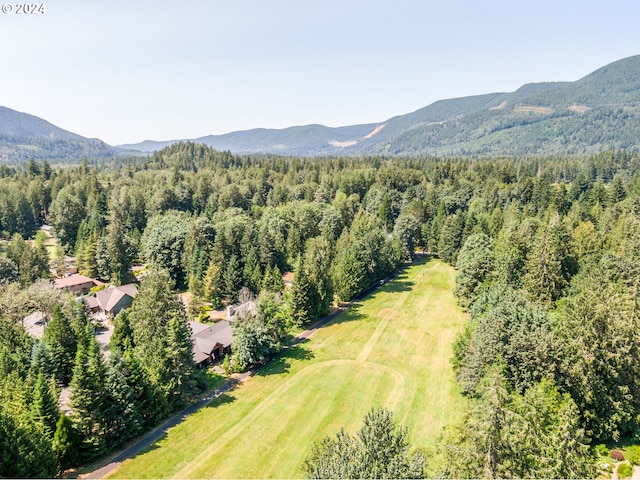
[
  {"x": 397, "y": 284},
  {"x": 221, "y": 400},
  {"x": 350, "y": 315},
  {"x": 281, "y": 362},
  {"x": 157, "y": 437}
]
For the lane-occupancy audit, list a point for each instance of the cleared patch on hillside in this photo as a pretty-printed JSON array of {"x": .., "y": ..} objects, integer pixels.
[
  {"x": 375, "y": 131},
  {"x": 499, "y": 107},
  {"x": 348, "y": 143},
  {"x": 579, "y": 108},
  {"x": 533, "y": 109}
]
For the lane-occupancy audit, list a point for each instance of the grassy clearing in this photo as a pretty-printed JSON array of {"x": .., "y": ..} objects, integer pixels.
[{"x": 392, "y": 349}]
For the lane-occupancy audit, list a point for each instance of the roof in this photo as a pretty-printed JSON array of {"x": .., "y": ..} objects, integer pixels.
[
  {"x": 245, "y": 310},
  {"x": 92, "y": 302},
  {"x": 74, "y": 280},
  {"x": 109, "y": 298},
  {"x": 287, "y": 277},
  {"x": 206, "y": 338}
]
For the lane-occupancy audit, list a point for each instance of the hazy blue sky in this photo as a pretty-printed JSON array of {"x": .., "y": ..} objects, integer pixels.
[{"x": 125, "y": 71}]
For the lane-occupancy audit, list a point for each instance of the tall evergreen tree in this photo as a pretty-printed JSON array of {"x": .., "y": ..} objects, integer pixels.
[
  {"x": 45, "y": 405},
  {"x": 88, "y": 399},
  {"x": 380, "y": 450},
  {"x": 121, "y": 251},
  {"x": 317, "y": 263},
  {"x": 161, "y": 341},
  {"x": 544, "y": 280},
  {"x": 61, "y": 341},
  {"x": 212, "y": 284},
  {"x": 232, "y": 279},
  {"x": 475, "y": 263},
  {"x": 66, "y": 441},
  {"x": 299, "y": 296}
]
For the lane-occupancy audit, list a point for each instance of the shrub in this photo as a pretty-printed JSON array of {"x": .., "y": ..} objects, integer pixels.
[
  {"x": 633, "y": 454},
  {"x": 625, "y": 470},
  {"x": 601, "y": 450},
  {"x": 616, "y": 455},
  {"x": 225, "y": 365}
]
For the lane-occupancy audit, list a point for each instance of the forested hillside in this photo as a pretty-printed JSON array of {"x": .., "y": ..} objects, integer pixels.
[
  {"x": 597, "y": 113},
  {"x": 594, "y": 114},
  {"x": 546, "y": 251},
  {"x": 24, "y": 137}
]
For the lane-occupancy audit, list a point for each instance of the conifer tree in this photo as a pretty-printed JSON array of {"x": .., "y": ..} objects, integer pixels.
[
  {"x": 299, "y": 296},
  {"x": 232, "y": 279},
  {"x": 45, "y": 405},
  {"x": 475, "y": 263},
  {"x": 61, "y": 341},
  {"x": 212, "y": 284},
  {"x": 42, "y": 362},
  {"x": 162, "y": 342},
  {"x": 65, "y": 443},
  {"x": 88, "y": 398},
  {"x": 544, "y": 280},
  {"x": 121, "y": 251},
  {"x": 122, "y": 337}
]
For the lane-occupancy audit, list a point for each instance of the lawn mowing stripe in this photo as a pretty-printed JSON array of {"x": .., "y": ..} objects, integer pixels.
[
  {"x": 322, "y": 402},
  {"x": 337, "y": 392}
]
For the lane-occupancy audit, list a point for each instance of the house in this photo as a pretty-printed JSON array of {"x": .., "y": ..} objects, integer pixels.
[
  {"x": 243, "y": 310},
  {"x": 113, "y": 299},
  {"x": 34, "y": 324},
  {"x": 210, "y": 341},
  {"x": 77, "y": 284}
]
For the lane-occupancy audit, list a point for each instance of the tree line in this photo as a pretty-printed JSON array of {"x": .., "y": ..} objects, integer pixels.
[{"x": 543, "y": 246}]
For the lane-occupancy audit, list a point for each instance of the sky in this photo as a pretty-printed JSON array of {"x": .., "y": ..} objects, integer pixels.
[{"x": 127, "y": 71}]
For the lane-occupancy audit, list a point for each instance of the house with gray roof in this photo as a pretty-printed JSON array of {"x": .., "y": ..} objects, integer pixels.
[
  {"x": 113, "y": 299},
  {"x": 210, "y": 341}
]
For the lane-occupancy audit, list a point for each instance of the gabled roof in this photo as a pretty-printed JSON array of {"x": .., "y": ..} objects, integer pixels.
[
  {"x": 75, "y": 279},
  {"x": 206, "y": 338},
  {"x": 244, "y": 310},
  {"x": 109, "y": 298},
  {"x": 92, "y": 302}
]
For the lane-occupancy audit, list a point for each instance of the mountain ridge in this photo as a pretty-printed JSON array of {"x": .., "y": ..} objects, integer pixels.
[
  {"x": 577, "y": 117},
  {"x": 600, "y": 111},
  {"x": 24, "y": 136}
]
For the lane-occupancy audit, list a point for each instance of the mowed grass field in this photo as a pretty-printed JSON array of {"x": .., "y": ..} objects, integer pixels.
[{"x": 392, "y": 349}]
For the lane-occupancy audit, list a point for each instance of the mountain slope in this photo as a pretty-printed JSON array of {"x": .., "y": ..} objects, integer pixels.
[
  {"x": 598, "y": 112},
  {"x": 24, "y": 136}
]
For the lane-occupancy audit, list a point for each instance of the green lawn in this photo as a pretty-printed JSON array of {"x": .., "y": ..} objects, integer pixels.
[{"x": 393, "y": 349}]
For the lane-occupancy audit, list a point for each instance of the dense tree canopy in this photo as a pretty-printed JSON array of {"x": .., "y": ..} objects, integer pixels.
[{"x": 546, "y": 251}]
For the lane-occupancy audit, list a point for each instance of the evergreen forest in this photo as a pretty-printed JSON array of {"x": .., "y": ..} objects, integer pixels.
[{"x": 546, "y": 252}]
